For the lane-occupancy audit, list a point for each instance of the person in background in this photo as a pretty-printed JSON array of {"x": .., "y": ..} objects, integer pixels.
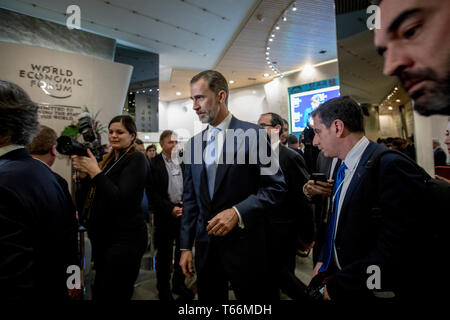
[
  {"x": 150, "y": 152},
  {"x": 140, "y": 145},
  {"x": 43, "y": 148},
  {"x": 166, "y": 198},
  {"x": 293, "y": 143},
  {"x": 440, "y": 157},
  {"x": 36, "y": 235},
  {"x": 285, "y": 132},
  {"x": 112, "y": 211},
  {"x": 291, "y": 225}
]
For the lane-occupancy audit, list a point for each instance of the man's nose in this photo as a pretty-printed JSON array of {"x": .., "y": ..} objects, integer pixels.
[
  {"x": 396, "y": 60},
  {"x": 316, "y": 141}
]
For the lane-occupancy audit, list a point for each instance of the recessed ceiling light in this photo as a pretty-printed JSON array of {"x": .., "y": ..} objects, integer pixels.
[
  {"x": 267, "y": 58},
  {"x": 178, "y": 93},
  {"x": 277, "y": 27},
  {"x": 268, "y": 48},
  {"x": 273, "y": 35},
  {"x": 268, "y": 62},
  {"x": 284, "y": 19},
  {"x": 266, "y": 75},
  {"x": 398, "y": 100},
  {"x": 270, "y": 39},
  {"x": 390, "y": 108},
  {"x": 231, "y": 81},
  {"x": 267, "y": 53}
]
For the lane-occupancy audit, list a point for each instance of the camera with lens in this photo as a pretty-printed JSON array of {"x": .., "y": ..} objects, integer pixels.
[{"x": 68, "y": 146}]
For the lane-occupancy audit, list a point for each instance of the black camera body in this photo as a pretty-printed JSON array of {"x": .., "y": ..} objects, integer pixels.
[{"x": 67, "y": 146}]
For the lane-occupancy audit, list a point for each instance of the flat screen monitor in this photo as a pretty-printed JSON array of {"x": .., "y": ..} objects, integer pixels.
[{"x": 305, "y": 98}]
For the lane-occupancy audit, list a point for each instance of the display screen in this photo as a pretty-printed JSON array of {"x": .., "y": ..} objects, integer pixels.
[{"x": 304, "y": 99}]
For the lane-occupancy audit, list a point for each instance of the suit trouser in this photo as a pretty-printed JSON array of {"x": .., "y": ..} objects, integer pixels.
[
  {"x": 215, "y": 275},
  {"x": 117, "y": 268},
  {"x": 282, "y": 255},
  {"x": 164, "y": 242}
]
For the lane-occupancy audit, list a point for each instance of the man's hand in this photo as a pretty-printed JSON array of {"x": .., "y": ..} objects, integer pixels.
[
  {"x": 326, "y": 296},
  {"x": 319, "y": 188},
  {"x": 177, "y": 212},
  {"x": 222, "y": 223},
  {"x": 316, "y": 269},
  {"x": 186, "y": 263}
]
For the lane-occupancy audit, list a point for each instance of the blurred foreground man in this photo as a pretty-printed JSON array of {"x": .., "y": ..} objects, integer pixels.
[
  {"x": 370, "y": 230},
  {"x": 35, "y": 235},
  {"x": 415, "y": 43},
  {"x": 228, "y": 193}
]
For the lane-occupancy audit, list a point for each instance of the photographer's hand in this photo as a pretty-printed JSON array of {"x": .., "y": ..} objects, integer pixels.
[{"x": 88, "y": 165}]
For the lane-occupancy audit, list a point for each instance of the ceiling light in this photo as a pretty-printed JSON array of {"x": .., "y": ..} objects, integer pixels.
[
  {"x": 178, "y": 93},
  {"x": 267, "y": 53},
  {"x": 308, "y": 70},
  {"x": 266, "y": 75},
  {"x": 131, "y": 92},
  {"x": 294, "y": 8},
  {"x": 398, "y": 100},
  {"x": 284, "y": 19},
  {"x": 390, "y": 108},
  {"x": 273, "y": 35},
  {"x": 268, "y": 48},
  {"x": 270, "y": 39},
  {"x": 268, "y": 62},
  {"x": 231, "y": 81},
  {"x": 267, "y": 58},
  {"x": 277, "y": 27}
]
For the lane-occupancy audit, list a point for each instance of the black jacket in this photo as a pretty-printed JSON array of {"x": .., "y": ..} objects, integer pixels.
[
  {"x": 37, "y": 231},
  {"x": 158, "y": 195},
  {"x": 116, "y": 214}
]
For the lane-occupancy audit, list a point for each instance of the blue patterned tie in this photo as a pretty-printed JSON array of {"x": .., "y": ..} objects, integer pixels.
[
  {"x": 210, "y": 160},
  {"x": 332, "y": 224}
]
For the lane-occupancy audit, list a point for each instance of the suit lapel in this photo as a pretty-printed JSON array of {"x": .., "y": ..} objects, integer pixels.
[
  {"x": 357, "y": 178},
  {"x": 198, "y": 169},
  {"x": 223, "y": 167}
]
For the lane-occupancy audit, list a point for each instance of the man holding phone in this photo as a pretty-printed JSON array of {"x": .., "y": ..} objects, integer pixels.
[{"x": 318, "y": 190}]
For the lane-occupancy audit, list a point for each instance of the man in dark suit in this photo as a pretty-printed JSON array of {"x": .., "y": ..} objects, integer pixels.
[
  {"x": 291, "y": 225},
  {"x": 440, "y": 158},
  {"x": 165, "y": 193},
  {"x": 364, "y": 245},
  {"x": 35, "y": 234},
  {"x": 228, "y": 192}
]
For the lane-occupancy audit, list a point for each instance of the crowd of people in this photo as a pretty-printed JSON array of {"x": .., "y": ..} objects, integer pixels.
[{"x": 244, "y": 199}]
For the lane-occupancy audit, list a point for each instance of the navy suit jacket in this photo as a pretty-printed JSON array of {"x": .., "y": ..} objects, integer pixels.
[
  {"x": 37, "y": 230},
  {"x": 236, "y": 184},
  {"x": 387, "y": 240}
]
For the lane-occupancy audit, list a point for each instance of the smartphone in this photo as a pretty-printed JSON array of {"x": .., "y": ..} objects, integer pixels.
[{"x": 318, "y": 177}]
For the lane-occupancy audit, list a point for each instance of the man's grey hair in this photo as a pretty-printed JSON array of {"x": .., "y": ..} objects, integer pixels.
[{"x": 18, "y": 115}]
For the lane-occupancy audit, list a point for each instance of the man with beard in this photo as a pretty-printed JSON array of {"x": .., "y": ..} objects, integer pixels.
[{"x": 415, "y": 43}]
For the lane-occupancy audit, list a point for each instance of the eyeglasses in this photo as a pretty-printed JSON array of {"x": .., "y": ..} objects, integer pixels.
[{"x": 265, "y": 125}]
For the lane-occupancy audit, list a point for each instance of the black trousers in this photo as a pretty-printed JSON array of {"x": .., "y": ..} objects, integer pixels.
[
  {"x": 215, "y": 276},
  {"x": 282, "y": 255},
  {"x": 165, "y": 237},
  {"x": 117, "y": 268}
]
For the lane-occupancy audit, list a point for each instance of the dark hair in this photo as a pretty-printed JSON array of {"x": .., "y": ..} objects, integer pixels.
[
  {"x": 127, "y": 122},
  {"x": 342, "y": 108},
  {"x": 165, "y": 134},
  {"x": 152, "y": 146},
  {"x": 275, "y": 120},
  {"x": 292, "y": 139},
  {"x": 18, "y": 115},
  {"x": 138, "y": 141},
  {"x": 216, "y": 81},
  {"x": 43, "y": 142},
  {"x": 285, "y": 122}
]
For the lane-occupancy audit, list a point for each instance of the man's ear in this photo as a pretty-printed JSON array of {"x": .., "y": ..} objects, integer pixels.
[
  {"x": 222, "y": 96},
  {"x": 339, "y": 126},
  {"x": 53, "y": 151}
]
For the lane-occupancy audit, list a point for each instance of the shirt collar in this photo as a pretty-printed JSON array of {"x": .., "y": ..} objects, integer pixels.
[
  {"x": 223, "y": 125},
  {"x": 352, "y": 158},
  {"x": 165, "y": 158},
  {"x": 11, "y": 147}
]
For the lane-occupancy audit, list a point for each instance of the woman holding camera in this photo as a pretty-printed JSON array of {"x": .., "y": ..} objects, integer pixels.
[{"x": 112, "y": 211}]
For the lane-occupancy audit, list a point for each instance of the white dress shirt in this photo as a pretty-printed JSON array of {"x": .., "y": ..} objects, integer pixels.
[{"x": 351, "y": 161}]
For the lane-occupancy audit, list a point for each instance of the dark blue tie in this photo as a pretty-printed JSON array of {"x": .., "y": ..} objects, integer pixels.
[{"x": 332, "y": 224}]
